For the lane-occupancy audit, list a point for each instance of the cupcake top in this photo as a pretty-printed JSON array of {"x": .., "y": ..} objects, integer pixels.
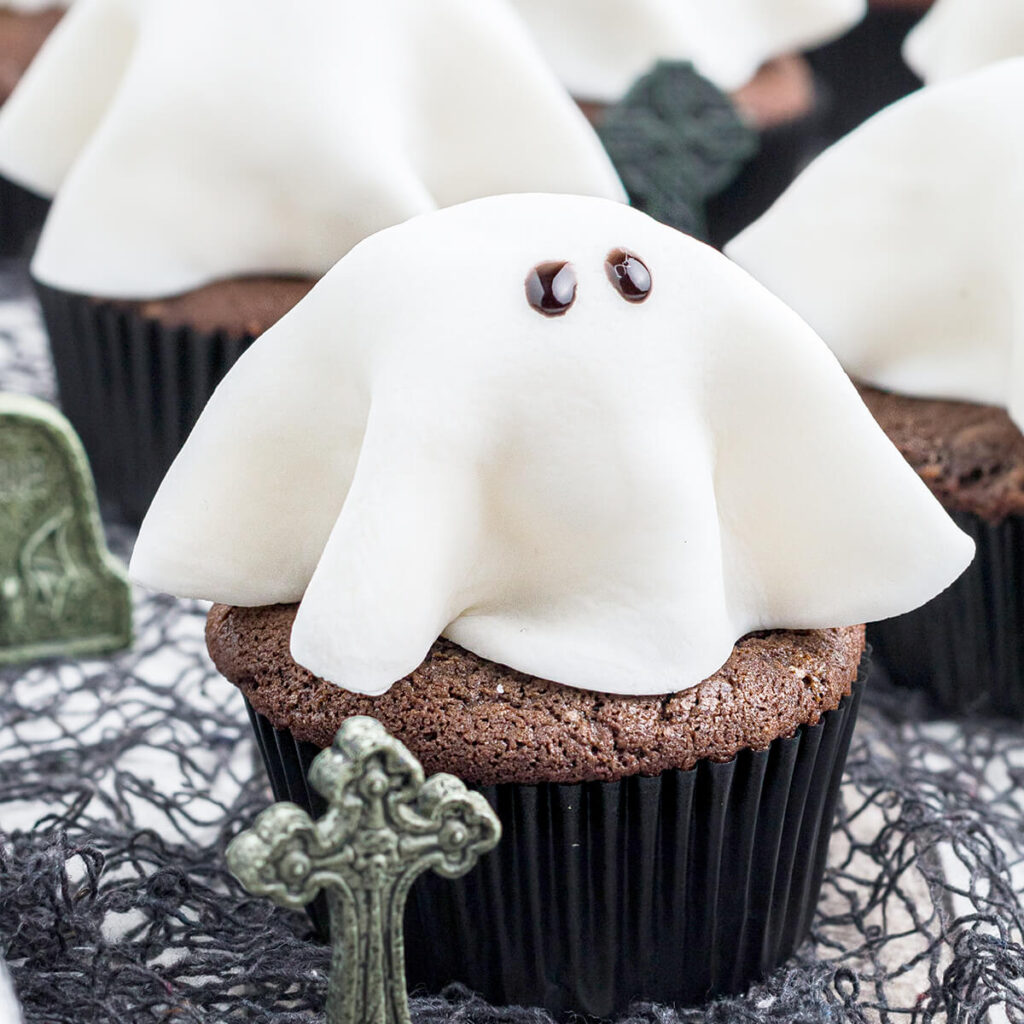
[
  {"x": 957, "y": 36},
  {"x": 568, "y": 438},
  {"x": 489, "y": 724},
  {"x": 900, "y": 244},
  {"x": 233, "y": 138},
  {"x": 600, "y": 47}
]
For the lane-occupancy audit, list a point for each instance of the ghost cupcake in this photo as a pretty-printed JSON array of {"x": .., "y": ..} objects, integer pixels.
[
  {"x": 24, "y": 26},
  {"x": 746, "y": 48},
  {"x": 900, "y": 247},
  {"x": 587, "y": 517},
  {"x": 193, "y": 209},
  {"x": 962, "y": 35}
]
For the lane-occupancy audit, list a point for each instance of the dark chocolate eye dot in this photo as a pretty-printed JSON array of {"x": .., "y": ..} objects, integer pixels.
[
  {"x": 551, "y": 288},
  {"x": 629, "y": 274}
]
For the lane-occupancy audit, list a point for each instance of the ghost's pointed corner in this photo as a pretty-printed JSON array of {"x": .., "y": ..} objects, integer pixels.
[
  {"x": 938, "y": 43},
  {"x": 247, "y": 506},
  {"x": 61, "y": 99},
  {"x": 390, "y": 576},
  {"x": 825, "y": 523},
  {"x": 61, "y": 592},
  {"x": 901, "y": 246},
  {"x": 958, "y": 36}
]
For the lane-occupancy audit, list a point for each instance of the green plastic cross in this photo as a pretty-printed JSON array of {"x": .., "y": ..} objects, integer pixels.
[{"x": 385, "y": 825}]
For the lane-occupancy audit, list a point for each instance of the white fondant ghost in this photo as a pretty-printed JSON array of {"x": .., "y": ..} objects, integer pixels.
[
  {"x": 600, "y": 47},
  {"x": 957, "y": 36},
  {"x": 608, "y": 498},
  {"x": 189, "y": 140},
  {"x": 902, "y": 244}
]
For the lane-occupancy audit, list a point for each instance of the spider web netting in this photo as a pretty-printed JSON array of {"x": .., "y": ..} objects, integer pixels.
[{"x": 122, "y": 780}]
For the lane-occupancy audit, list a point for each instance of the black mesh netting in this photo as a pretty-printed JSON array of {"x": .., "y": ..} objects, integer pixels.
[{"x": 122, "y": 780}]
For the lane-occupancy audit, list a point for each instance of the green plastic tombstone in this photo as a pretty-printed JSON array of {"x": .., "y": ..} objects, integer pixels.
[{"x": 61, "y": 591}]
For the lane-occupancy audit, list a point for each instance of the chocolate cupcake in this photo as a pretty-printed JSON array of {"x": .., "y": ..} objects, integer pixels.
[
  {"x": 616, "y": 585},
  {"x": 746, "y": 48},
  {"x": 263, "y": 174},
  {"x": 585, "y": 785},
  {"x": 908, "y": 270},
  {"x": 964, "y": 648},
  {"x": 24, "y": 27}
]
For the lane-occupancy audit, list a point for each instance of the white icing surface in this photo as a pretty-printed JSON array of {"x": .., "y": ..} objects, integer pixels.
[
  {"x": 957, "y": 36},
  {"x": 901, "y": 244},
  {"x": 189, "y": 141},
  {"x": 600, "y": 47},
  {"x": 608, "y": 499}
]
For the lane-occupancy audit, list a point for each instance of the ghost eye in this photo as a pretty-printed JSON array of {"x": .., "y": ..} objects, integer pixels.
[
  {"x": 629, "y": 275},
  {"x": 551, "y": 288}
]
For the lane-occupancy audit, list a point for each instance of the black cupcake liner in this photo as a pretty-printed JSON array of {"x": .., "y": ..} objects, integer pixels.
[
  {"x": 132, "y": 388},
  {"x": 674, "y": 888},
  {"x": 21, "y": 216},
  {"x": 965, "y": 648}
]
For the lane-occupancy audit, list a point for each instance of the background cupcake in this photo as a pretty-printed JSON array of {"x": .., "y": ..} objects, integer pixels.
[
  {"x": 592, "y": 528},
  {"x": 24, "y": 26},
  {"x": 900, "y": 246},
  {"x": 746, "y": 48},
  {"x": 167, "y": 251}
]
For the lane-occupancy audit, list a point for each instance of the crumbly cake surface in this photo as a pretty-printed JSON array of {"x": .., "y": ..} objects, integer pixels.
[
  {"x": 239, "y": 306},
  {"x": 971, "y": 456},
  {"x": 488, "y": 724}
]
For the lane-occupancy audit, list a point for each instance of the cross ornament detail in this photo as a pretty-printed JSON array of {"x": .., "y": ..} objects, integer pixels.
[{"x": 385, "y": 825}]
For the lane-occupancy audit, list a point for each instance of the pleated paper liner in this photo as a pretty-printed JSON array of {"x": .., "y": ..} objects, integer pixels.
[
  {"x": 21, "y": 216},
  {"x": 674, "y": 888},
  {"x": 132, "y": 387},
  {"x": 965, "y": 649}
]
